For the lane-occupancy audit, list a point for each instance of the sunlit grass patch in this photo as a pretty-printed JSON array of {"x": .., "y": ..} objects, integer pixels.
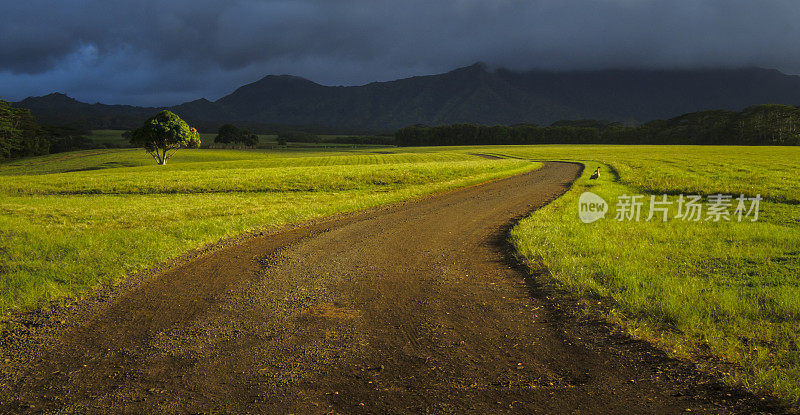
[
  {"x": 731, "y": 289},
  {"x": 79, "y": 219}
]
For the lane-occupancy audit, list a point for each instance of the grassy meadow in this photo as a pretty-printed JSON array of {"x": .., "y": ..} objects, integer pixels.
[
  {"x": 71, "y": 221},
  {"x": 726, "y": 290},
  {"x": 114, "y": 139}
]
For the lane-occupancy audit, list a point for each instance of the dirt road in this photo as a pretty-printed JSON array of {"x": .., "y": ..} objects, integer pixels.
[{"x": 411, "y": 308}]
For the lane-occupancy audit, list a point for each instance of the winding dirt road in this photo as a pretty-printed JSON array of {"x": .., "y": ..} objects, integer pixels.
[{"x": 410, "y": 308}]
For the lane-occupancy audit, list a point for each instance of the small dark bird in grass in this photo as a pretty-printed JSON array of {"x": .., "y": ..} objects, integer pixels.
[{"x": 596, "y": 174}]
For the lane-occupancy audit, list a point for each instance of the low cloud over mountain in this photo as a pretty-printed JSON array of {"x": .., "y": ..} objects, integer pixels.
[{"x": 161, "y": 53}]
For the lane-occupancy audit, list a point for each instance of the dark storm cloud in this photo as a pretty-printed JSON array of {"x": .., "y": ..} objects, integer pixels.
[{"x": 150, "y": 52}]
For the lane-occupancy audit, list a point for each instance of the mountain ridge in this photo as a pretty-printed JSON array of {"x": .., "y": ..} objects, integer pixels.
[{"x": 470, "y": 94}]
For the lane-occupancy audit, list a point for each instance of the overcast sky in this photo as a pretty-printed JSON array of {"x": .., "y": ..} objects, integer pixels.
[{"x": 163, "y": 53}]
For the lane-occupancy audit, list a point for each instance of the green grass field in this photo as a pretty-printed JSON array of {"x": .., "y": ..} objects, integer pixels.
[
  {"x": 727, "y": 290},
  {"x": 71, "y": 221},
  {"x": 114, "y": 139},
  {"x": 110, "y": 138}
]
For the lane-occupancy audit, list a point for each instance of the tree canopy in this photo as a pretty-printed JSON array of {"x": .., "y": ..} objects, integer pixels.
[
  {"x": 163, "y": 134},
  {"x": 769, "y": 124},
  {"x": 230, "y": 134},
  {"x": 20, "y": 136}
]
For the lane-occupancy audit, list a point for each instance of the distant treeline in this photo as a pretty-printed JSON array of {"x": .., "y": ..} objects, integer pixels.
[
  {"x": 306, "y": 137},
  {"x": 21, "y": 136},
  {"x": 771, "y": 124},
  {"x": 757, "y": 125},
  {"x": 363, "y": 140}
]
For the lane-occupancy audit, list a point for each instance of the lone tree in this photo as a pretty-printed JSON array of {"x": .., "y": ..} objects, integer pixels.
[
  {"x": 229, "y": 133},
  {"x": 163, "y": 134}
]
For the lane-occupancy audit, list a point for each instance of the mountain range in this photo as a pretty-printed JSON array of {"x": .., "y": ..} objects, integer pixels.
[{"x": 472, "y": 94}]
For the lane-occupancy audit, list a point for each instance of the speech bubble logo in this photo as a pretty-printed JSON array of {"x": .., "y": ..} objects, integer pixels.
[{"x": 591, "y": 207}]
